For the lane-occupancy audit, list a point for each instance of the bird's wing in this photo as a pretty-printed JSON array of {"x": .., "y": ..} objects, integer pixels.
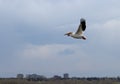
[
  {"x": 82, "y": 26},
  {"x": 79, "y": 31}
]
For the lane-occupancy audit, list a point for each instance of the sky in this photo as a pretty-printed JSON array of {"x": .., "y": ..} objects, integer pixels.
[{"x": 32, "y": 38}]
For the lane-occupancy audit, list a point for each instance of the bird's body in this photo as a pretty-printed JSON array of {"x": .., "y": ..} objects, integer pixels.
[
  {"x": 77, "y": 36},
  {"x": 79, "y": 32}
]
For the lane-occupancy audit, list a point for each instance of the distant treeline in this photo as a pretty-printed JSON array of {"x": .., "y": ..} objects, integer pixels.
[
  {"x": 59, "y": 78},
  {"x": 90, "y": 80}
]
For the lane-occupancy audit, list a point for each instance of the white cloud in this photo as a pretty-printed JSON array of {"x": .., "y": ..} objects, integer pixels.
[
  {"x": 23, "y": 21},
  {"x": 57, "y": 56},
  {"x": 53, "y": 58},
  {"x": 107, "y": 32},
  {"x": 47, "y": 51}
]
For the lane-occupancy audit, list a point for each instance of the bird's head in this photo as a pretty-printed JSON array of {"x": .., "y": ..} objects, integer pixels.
[{"x": 69, "y": 33}]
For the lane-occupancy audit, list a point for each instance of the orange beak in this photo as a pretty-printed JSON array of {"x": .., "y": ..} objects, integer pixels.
[{"x": 68, "y": 34}]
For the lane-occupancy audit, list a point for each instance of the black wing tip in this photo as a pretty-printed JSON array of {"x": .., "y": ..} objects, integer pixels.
[
  {"x": 82, "y": 20},
  {"x": 83, "y": 23}
]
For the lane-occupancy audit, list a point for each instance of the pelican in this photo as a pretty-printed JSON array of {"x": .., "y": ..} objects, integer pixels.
[{"x": 79, "y": 33}]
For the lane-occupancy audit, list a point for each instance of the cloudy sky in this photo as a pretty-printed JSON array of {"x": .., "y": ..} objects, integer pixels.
[{"x": 33, "y": 41}]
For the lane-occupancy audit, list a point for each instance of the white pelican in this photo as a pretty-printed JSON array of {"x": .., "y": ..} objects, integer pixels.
[{"x": 79, "y": 32}]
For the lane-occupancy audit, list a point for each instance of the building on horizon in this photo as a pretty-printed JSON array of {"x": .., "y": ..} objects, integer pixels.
[
  {"x": 57, "y": 77},
  {"x": 35, "y": 77},
  {"x": 66, "y": 75},
  {"x": 20, "y": 76}
]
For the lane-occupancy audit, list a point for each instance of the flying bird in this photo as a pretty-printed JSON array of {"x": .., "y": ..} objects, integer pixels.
[{"x": 79, "y": 33}]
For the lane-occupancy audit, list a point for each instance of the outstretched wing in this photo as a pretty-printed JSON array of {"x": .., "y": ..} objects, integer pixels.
[{"x": 82, "y": 26}]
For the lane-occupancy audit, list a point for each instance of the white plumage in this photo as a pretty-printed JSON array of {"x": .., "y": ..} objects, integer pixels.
[{"x": 79, "y": 32}]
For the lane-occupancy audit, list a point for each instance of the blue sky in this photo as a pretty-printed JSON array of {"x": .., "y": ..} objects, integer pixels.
[{"x": 33, "y": 41}]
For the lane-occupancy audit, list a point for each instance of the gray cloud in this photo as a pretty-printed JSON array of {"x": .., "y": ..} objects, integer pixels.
[{"x": 42, "y": 22}]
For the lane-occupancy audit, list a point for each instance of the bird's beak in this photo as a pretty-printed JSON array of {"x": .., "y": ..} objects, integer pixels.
[{"x": 66, "y": 34}]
